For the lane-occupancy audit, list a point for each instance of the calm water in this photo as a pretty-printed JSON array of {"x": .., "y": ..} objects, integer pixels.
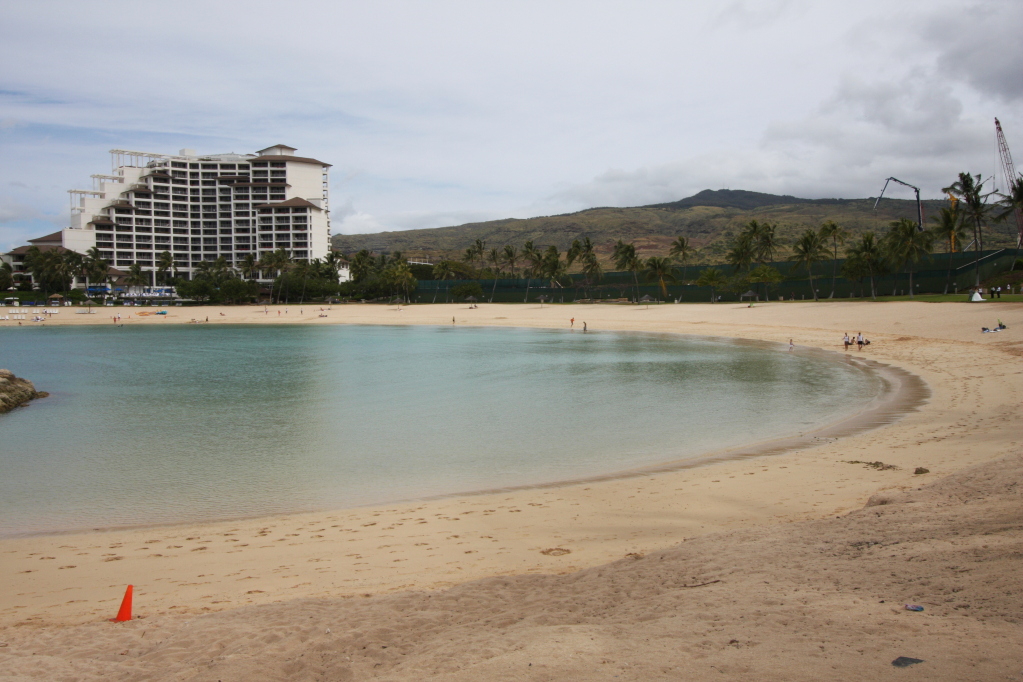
[{"x": 156, "y": 424}]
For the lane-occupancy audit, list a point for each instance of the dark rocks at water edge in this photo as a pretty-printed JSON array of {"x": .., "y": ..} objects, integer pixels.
[{"x": 15, "y": 391}]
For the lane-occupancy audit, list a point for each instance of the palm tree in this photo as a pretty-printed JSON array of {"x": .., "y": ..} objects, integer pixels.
[
  {"x": 164, "y": 262},
  {"x": 479, "y": 249},
  {"x": 495, "y": 257},
  {"x": 625, "y": 259},
  {"x": 766, "y": 275},
  {"x": 907, "y": 245},
  {"x": 535, "y": 260},
  {"x": 510, "y": 257},
  {"x": 6, "y": 276},
  {"x": 713, "y": 278},
  {"x": 552, "y": 267},
  {"x": 361, "y": 265},
  {"x": 592, "y": 271},
  {"x": 399, "y": 275},
  {"x": 765, "y": 241},
  {"x": 975, "y": 208},
  {"x": 332, "y": 264},
  {"x": 681, "y": 251},
  {"x": 249, "y": 266},
  {"x": 135, "y": 277},
  {"x": 1012, "y": 204},
  {"x": 660, "y": 270},
  {"x": 810, "y": 249},
  {"x": 948, "y": 227},
  {"x": 742, "y": 252},
  {"x": 868, "y": 256},
  {"x": 837, "y": 234}
]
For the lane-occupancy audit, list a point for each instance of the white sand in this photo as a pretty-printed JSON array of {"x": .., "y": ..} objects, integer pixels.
[{"x": 735, "y": 518}]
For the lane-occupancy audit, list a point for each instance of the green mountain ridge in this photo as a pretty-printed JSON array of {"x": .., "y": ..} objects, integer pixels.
[{"x": 709, "y": 219}]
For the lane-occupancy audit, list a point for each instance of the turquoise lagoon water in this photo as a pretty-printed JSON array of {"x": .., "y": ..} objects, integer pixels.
[{"x": 166, "y": 424}]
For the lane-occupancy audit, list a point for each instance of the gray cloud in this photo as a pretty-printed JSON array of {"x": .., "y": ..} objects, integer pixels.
[
  {"x": 980, "y": 44},
  {"x": 456, "y": 111}
]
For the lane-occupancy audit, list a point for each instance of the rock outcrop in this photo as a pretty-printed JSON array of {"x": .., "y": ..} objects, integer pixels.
[{"x": 15, "y": 391}]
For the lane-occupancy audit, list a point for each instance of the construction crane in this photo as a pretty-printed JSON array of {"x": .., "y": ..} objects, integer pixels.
[
  {"x": 1010, "y": 179},
  {"x": 919, "y": 206}
]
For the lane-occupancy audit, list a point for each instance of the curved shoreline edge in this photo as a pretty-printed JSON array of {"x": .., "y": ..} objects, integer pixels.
[
  {"x": 971, "y": 418},
  {"x": 904, "y": 393}
]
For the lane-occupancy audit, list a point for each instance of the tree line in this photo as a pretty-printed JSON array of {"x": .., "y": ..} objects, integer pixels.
[{"x": 213, "y": 281}]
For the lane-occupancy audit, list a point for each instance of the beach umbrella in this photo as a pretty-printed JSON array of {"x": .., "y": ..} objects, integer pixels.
[{"x": 470, "y": 299}]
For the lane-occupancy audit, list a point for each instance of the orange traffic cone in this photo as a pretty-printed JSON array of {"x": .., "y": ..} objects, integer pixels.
[{"x": 125, "y": 612}]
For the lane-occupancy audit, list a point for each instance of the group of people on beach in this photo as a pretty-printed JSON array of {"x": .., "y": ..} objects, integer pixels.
[{"x": 860, "y": 341}]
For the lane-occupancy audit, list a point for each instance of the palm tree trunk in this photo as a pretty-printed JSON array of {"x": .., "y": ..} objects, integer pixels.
[
  {"x": 526, "y": 299},
  {"x": 834, "y": 270},
  {"x": 911, "y": 282},
  {"x": 948, "y": 275},
  {"x": 976, "y": 240},
  {"x": 494, "y": 290}
]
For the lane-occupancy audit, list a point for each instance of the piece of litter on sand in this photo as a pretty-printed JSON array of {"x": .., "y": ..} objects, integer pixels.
[
  {"x": 905, "y": 661},
  {"x": 914, "y": 607}
]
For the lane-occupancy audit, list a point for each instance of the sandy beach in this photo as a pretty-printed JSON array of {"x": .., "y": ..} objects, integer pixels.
[{"x": 758, "y": 567}]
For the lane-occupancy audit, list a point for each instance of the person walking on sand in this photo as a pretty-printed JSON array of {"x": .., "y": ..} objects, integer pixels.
[
  {"x": 846, "y": 341},
  {"x": 859, "y": 340},
  {"x": 571, "y": 324},
  {"x": 452, "y": 319},
  {"x": 791, "y": 346},
  {"x": 584, "y": 326}
]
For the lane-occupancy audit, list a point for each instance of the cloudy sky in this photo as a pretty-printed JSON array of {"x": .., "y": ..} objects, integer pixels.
[{"x": 438, "y": 113}]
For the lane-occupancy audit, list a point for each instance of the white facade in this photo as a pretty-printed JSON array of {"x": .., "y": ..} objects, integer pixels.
[{"x": 202, "y": 208}]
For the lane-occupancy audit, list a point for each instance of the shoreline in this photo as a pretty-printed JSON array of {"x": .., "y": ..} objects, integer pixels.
[
  {"x": 505, "y": 532},
  {"x": 909, "y": 394}
]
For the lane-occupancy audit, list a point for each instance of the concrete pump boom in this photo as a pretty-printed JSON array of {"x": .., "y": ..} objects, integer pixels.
[{"x": 919, "y": 206}]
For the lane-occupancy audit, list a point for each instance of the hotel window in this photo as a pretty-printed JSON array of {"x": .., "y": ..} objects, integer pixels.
[
  {"x": 226, "y": 241},
  {"x": 278, "y": 174},
  {"x": 209, "y": 166},
  {"x": 143, "y": 204}
]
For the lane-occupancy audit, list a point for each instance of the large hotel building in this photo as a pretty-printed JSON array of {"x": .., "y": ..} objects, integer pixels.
[{"x": 199, "y": 208}]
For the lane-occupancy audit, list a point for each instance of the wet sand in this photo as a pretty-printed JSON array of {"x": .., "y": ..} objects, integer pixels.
[{"x": 757, "y": 515}]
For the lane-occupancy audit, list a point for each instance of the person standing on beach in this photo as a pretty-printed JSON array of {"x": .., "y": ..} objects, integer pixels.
[
  {"x": 452, "y": 319},
  {"x": 791, "y": 345},
  {"x": 859, "y": 340},
  {"x": 584, "y": 326},
  {"x": 846, "y": 341},
  {"x": 571, "y": 324}
]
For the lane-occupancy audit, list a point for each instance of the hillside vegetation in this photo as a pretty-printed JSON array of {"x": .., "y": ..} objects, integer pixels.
[{"x": 709, "y": 219}]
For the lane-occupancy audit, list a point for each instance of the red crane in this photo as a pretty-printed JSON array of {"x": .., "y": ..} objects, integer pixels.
[{"x": 1010, "y": 177}]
